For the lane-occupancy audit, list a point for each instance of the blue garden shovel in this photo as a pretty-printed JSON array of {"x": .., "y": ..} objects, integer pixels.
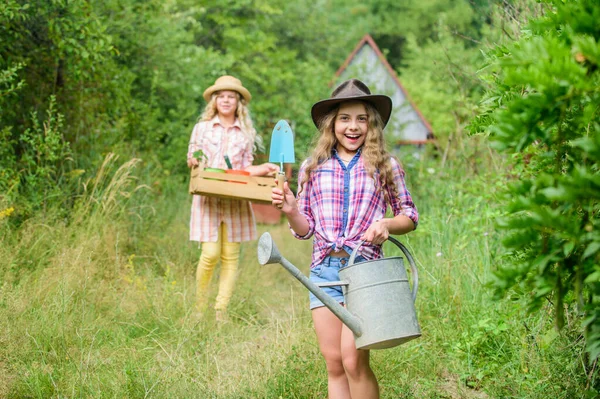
[{"x": 282, "y": 148}]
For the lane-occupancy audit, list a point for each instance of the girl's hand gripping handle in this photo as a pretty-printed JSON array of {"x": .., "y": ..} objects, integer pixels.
[
  {"x": 283, "y": 198},
  {"x": 280, "y": 180}
]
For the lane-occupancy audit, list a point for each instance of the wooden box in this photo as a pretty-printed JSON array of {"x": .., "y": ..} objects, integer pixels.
[{"x": 252, "y": 188}]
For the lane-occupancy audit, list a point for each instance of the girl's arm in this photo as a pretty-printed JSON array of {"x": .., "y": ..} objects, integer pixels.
[
  {"x": 380, "y": 230},
  {"x": 263, "y": 169},
  {"x": 256, "y": 170},
  {"x": 403, "y": 207}
]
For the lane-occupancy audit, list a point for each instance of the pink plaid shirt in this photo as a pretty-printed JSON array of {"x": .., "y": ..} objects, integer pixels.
[
  {"x": 209, "y": 212},
  {"x": 340, "y": 202}
]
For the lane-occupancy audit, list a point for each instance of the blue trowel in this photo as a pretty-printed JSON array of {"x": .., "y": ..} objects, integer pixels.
[{"x": 282, "y": 148}]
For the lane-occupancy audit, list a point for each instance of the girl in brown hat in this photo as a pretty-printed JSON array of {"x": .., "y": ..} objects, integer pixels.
[
  {"x": 219, "y": 224},
  {"x": 345, "y": 187}
]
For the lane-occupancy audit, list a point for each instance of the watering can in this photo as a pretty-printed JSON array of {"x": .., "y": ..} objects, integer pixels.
[
  {"x": 281, "y": 149},
  {"x": 379, "y": 302}
]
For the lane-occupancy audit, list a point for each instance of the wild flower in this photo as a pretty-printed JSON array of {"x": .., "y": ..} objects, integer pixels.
[{"x": 7, "y": 212}]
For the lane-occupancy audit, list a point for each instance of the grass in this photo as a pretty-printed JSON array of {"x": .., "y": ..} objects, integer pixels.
[{"x": 102, "y": 307}]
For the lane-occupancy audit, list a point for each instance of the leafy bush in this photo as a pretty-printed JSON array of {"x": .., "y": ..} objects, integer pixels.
[
  {"x": 39, "y": 174},
  {"x": 543, "y": 109}
]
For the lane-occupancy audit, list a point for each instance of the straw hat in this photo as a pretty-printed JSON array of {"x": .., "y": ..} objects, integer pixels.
[
  {"x": 227, "y": 82},
  {"x": 352, "y": 89}
]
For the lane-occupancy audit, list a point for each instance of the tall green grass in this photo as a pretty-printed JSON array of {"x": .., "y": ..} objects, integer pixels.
[{"x": 100, "y": 305}]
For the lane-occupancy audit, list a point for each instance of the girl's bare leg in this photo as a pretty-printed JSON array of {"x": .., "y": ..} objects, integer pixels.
[
  {"x": 361, "y": 379},
  {"x": 329, "y": 333}
]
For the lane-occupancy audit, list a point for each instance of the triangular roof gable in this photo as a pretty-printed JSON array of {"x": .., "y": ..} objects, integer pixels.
[{"x": 411, "y": 127}]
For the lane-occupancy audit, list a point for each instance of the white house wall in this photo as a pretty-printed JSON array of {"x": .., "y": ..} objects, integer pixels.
[{"x": 405, "y": 122}]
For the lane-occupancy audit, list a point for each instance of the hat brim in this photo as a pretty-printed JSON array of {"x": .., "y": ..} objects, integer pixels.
[
  {"x": 226, "y": 86},
  {"x": 383, "y": 104}
]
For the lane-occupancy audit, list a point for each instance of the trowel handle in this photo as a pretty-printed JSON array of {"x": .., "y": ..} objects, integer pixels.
[
  {"x": 411, "y": 262},
  {"x": 280, "y": 181}
]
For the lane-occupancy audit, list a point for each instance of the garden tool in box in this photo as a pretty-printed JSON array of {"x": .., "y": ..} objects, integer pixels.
[{"x": 282, "y": 148}]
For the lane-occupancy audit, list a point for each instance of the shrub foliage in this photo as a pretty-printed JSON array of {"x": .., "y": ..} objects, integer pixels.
[{"x": 543, "y": 109}]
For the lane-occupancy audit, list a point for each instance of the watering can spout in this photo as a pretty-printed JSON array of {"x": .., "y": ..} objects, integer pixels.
[
  {"x": 268, "y": 254},
  {"x": 267, "y": 251}
]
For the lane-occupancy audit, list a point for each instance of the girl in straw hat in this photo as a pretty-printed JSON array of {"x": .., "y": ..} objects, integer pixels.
[
  {"x": 219, "y": 224},
  {"x": 345, "y": 187}
]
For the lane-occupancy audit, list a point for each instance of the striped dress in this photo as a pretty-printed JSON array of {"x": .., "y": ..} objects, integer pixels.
[{"x": 209, "y": 212}]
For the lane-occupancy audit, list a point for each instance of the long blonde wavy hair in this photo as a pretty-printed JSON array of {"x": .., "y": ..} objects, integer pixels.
[
  {"x": 375, "y": 155},
  {"x": 242, "y": 113}
]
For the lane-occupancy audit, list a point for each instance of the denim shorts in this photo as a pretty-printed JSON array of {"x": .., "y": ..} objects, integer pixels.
[{"x": 325, "y": 272}]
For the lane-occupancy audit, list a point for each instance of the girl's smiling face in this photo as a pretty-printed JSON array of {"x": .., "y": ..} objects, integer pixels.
[
  {"x": 350, "y": 127},
  {"x": 227, "y": 102}
]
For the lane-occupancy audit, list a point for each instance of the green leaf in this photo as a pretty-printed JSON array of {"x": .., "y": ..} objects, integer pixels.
[
  {"x": 555, "y": 193},
  {"x": 568, "y": 248},
  {"x": 591, "y": 249},
  {"x": 548, "y": 338}
]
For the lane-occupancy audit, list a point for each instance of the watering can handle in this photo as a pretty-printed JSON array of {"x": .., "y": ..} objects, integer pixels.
[{"x": 411, "y": 261}]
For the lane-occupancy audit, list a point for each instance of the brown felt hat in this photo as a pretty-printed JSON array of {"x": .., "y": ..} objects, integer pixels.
[
  {"x": 352, "y": 89},
  {"x": 227, "y": 82}
]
